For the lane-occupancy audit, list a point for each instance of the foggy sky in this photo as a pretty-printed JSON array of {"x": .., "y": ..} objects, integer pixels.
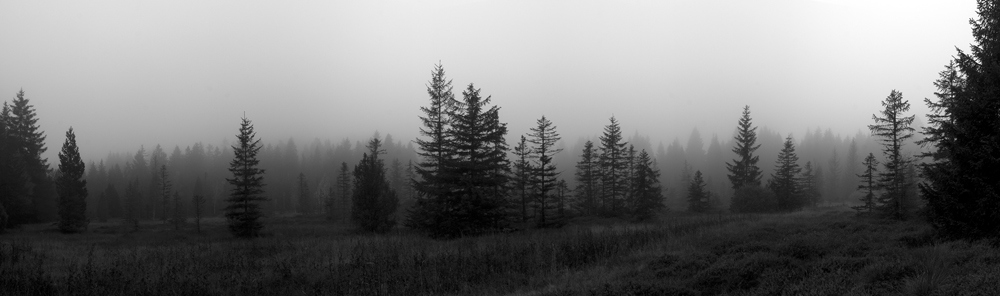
[{"x": 133, "y": 73}]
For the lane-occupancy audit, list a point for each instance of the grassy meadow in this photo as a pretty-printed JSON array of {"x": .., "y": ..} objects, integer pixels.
[{"x": 825, "y": 251}]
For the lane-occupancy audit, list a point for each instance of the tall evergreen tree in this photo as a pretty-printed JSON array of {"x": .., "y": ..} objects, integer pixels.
[
  {"x": 26, "y": 135},
  {"x": 869, "y": 184},
  {"x": 543, "y": 138},
  {"x": 784, "y": 181},
  {"x": 894, "y": 129},
  {"x": 374, "y": 200},
  {"x": 697, "y": 195},
  {"x": 15, "y": 180},
  {"x": 834, "y": 188},
  {"x": 646, "y": 191},
  {"x": 588, "y": 179},
  {"x": 198, "y": 202},
  {"x": 613, "y": 166},
  {"x": 435, "y": 150},
  {"x": 744, "y": 171},
  {"x": 72, "y": 187},
  {"x": 243, "y": 212},
  {"x": 962, "y": 183},
  {"x": 178, "y": 218},
  {"x": 522, "y": 175}
]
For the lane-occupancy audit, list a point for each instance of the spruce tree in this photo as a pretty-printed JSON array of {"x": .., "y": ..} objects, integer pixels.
[
  {"x": 784, "y": 181},
  {"x": 697, "y": 196},
  {"x": 613, "y": 166},
  {"x": 436, "y": 152},
  {"x": 243, "y": 212},
  {"x": 588, "y": 179},
  {"x": 869, "y": 184},
  {"x": 962, "y": 183},
  {"x": 834, "y": 186},
  {"x": 26, "y": 135},
  {"x": 522, "y": 175},
  {"x": 178, "y": 218},
  {"x": 646, "y": 192},
  {"x": 72, "y": 187},
  {"x": 744, "y": 171},
  {"x": 543, "y": 138},
  {"x": 374, "y": 201},
  {"x": 894, "y": 129},
  {"x": 15, "y": 179}
]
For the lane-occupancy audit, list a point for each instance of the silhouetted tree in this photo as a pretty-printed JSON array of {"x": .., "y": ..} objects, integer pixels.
[
  {"x": 784, "y": 181},
  {"x": 869, "y": 184},
  {"x": 744, "y": 171},
  {"x": 543, "y": 138},
  {"x": 243, "y": 212},
  {"x": 178, "y": 219},
  {"x": 15, "y": 181},
  {"x": 374, "y": 200},
  {"x": 962, "y": 187},
  {"x": 522, "y": 175},
  {"x": 436, "y": 152},
  {"x": 697, "y": 196},
  {"x": 588, "y": 179},
  {"x": 613, "y": 166},
  {"x": 894, "y": 129},
  {"x": 646, "y": 191},
  {"x": 72, "y": 187},
  {"x": 25, "y": 134}
]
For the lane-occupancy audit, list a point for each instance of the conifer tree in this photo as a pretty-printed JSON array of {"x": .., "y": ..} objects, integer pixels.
[
  {"x": 305, "y": 203},
  {"x": 630, "y": 155},
  {"x": 784, "y": 181},
  {"x": 648, "y": 196},
  {"x": 25, "y": 134},
  {"x": 894, "y": 129},
  {"x": 697, "y": 196},
  {"x": 243, "y": 212},
  {"x": 869, "y": 184},
  {"x": 436, "y": 152},
  {"x": 613, "y": 166},
  {"x": 72, "y": 187},
  {"x": 587, "y": 179},
  {"x": 15, "y": 180},
  {"x": 962, "y": 187},
  {"x": 543, "y": 138},
  {"x": 744, "y": 171},
  {"x": 374, "y": 200},
  {"x": 344, "y": 184},
  {"x": 102, "y": 207},
  {"x": 834, "y": 186},
  {"x": 522, "y": 175}
]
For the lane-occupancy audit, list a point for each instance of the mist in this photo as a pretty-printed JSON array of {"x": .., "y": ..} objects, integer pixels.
[{"x": 126, "y": 75}]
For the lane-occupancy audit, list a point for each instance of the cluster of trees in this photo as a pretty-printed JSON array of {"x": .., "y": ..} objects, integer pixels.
[{"x": 27, "y": 185}]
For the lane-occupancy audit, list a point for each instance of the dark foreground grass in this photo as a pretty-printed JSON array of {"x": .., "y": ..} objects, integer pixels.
[{"x": 825, "y": 252}]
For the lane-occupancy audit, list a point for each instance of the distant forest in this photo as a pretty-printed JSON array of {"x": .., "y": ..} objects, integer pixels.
[{"x": 463, "y": 176}]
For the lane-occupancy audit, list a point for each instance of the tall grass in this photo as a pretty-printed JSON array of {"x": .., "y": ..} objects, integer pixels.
[{"x": 305, "y": 263}]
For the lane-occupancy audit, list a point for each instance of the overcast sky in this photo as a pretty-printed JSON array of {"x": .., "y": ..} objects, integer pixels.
[{"x": 133, "y": 73}]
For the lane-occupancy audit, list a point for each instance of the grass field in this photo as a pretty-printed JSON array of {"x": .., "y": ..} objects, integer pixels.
[{"x": 818, "y": 252}]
